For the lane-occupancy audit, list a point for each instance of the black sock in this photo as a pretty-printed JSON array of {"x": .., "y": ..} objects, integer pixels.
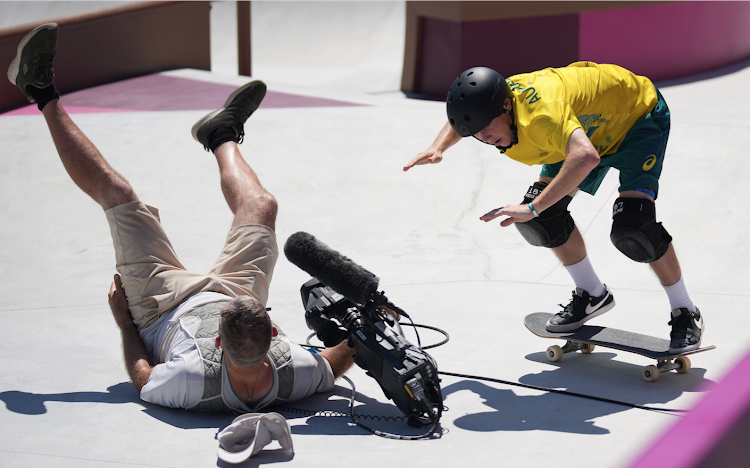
[
  {"x": 43, "y": 96},
  {"x": 221, "y": 135}
]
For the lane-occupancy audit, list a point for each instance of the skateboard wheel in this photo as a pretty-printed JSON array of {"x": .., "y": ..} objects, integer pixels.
[
  {"x": 588, "y": 349},
  {"x": 554, "y": 353},
  {"x": 650, "y": 373},
  {"x": 684, "y": 364}
]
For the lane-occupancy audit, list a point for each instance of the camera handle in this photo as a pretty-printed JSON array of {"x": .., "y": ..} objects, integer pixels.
[
  {"x": 379, "y": 298},
  {"x": 371, "y": 316}
]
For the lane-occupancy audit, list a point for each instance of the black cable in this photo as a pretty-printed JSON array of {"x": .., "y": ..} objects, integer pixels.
[
  {"x": 429, "y": 327},
  {"x": 419, "y": 341},
  {"x": 565, "y": 392},
  {"x": 426, "y": 435},
  {"x": 415, "y": 325},
  {"x": 356, "y": 418},
  {"x": 436, "y": 420}
]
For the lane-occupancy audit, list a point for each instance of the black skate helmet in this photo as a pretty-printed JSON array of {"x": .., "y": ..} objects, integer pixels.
[{"x": 475, "y": 99}]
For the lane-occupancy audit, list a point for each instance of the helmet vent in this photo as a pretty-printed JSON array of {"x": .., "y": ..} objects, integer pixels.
[
  {"x": 473, "y": 83},
  {"x": 467, "y": 117},
  {"x": 470, "y": 73},
  {"x": 453, "y": 122},
  {"x": 463, "y": 96}
]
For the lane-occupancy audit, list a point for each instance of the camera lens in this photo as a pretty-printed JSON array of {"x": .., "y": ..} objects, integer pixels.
[{"x": 326, "y": 329}]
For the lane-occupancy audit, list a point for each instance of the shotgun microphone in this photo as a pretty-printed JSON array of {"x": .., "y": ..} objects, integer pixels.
[{"x": 331, "y": 268}]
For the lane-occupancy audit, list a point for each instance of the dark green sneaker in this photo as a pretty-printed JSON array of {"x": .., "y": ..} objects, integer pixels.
[
  {"x": 33, "y": 63},
  {"x": 236, "y": 110}
]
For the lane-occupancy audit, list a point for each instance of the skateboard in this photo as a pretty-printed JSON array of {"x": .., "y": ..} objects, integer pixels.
[{"x": 587, "y": 337}]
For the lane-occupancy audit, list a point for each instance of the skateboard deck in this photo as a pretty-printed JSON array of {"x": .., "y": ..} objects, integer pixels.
[{"x": 585, "y": 338}]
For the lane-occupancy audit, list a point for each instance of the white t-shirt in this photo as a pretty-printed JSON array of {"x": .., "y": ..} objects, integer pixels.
[{"x": 177, "y": 379}]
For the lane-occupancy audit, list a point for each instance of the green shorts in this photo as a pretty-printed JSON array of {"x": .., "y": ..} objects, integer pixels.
[{"x": 639, "y": 157}]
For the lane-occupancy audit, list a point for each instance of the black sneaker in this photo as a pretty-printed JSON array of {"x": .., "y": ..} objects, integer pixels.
[
  {"x": 581, "y": 309},
  {"x": 687, "y": 330},
  {"x": 33, "y": 63},
  {"x": 236, "y": 110}
]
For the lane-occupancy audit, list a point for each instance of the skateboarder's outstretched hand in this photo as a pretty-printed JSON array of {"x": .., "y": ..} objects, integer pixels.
[{"x": 515, "y": 213}]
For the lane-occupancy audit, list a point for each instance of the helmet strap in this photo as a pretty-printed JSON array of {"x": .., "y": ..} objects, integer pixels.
[{"x": 513, "y": 128}]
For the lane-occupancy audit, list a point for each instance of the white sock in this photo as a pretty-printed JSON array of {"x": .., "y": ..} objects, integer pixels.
[
  {"x": 678, "y": 296},
  {"x": 585, "y": 277}
]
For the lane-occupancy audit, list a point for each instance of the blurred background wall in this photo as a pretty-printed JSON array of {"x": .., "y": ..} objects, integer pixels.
[{"x": 419, "y": 47}]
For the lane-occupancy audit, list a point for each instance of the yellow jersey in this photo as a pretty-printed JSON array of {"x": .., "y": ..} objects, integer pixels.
[{"x": 605, "y": 101}]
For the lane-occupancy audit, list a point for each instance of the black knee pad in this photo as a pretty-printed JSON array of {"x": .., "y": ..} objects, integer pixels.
[
  {"x": 635, "y": 231},
  {"x": 553, "y": 226}
]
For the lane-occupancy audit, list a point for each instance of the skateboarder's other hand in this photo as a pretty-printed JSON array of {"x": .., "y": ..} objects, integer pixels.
[{"x": 515, "y": 213}]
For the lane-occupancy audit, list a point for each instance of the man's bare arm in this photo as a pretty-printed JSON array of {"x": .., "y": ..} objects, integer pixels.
[
  {"x": 137, "y": 361},
  {"x": 340, "y": 357}
]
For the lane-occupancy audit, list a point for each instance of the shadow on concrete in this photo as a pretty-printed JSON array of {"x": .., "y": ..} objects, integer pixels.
[
  {"x": 596, "y": 375},
  {"x": 185, "y": 419},
  {"x": 33, "y": 403},
  {"x": 328, "y": 414},
  {"x": 265, "y": 457},
  {"x": 580, "y": 372}
]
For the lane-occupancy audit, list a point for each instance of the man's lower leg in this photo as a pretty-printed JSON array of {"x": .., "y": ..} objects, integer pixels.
[
  {"x": 573, "y": 256},
  {"x": 220, "y": 132},
  {"x": 591, "y": 298},
  {"x": 572, "y": 251},
  {"x": 585, "y": 277},
  {"x": 667, "y": 268},
  {"x": 83, "y": 162},
  {"x": 32, "y": 71},
  {"x": 249, "y": 201}
]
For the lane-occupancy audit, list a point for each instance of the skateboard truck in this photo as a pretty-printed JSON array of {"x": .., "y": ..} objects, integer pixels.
[{"x": 681, "y": 364}]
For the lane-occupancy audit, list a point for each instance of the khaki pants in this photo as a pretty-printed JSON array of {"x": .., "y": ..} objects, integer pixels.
[{"x": 154, "y": 279}]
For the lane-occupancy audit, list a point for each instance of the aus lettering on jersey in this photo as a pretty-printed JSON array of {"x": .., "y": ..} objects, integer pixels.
[{"x": 530, "y": 93}]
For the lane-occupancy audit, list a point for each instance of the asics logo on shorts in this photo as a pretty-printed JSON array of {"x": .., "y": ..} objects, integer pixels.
[{"x": 650, "y": 161}]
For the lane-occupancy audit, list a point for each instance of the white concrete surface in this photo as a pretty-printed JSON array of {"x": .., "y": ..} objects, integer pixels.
[{"x": 336, "y": 173}]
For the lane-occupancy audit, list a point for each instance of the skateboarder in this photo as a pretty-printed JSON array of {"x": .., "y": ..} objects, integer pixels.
[
  {"x": 196, "y": 341},
  {"x": 577, "y": 122}
]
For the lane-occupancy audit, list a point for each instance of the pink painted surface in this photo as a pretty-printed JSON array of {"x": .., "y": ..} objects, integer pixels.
[
  {"x": 670, "y": 40},
  {"x": 33, "y": 110},
  {"x": 167, "y": 93},
  {"x": 704, "y": 426}
]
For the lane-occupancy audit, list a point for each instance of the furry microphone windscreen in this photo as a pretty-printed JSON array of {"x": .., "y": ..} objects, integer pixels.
[{"x": 330, "y": 267}]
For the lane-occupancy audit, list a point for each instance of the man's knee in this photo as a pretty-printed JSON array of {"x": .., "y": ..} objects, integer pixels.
[
  {"x": 267, "y": 204},
  {"x": 635, "y": 231},
  {"x": 261, "y": 208},
  {"x": 554, "y": 225},
  {"x": 117, "y": 193}
]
